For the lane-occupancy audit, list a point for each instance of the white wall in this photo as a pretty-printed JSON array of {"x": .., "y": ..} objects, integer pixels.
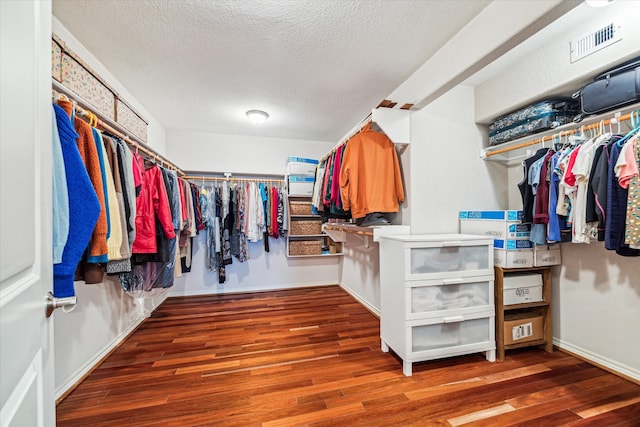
[
  {"x": 262, "y": 272},
  {"x": 104, "y": 314},
  {"x": 360, "y": 272},
  {"x": 596, "y": 293},
  {"x": 212, "y": 152},
  {"x": 156, "y": 137},
  {"x": 548, "y": 71},
  {"x": 248, "y": 155},
  {"x": 447, "y": 175}
]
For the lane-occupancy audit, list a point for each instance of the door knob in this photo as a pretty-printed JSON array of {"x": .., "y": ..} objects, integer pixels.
[{"x": 52, "y": 303}]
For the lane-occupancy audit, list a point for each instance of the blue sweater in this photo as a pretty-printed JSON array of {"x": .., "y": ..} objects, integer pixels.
[{"x": 84, "y": 207}]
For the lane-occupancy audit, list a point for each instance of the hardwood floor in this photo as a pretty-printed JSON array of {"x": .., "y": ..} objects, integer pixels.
[{"x": 312, "y": 357}]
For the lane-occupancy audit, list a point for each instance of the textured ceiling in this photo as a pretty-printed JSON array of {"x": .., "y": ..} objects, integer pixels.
[{"x": 316, "y": 66}]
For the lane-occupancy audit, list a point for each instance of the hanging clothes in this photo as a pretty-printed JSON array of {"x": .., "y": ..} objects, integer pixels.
[
  {"x": 60, "y": 196},
  {"x": 370, "y": 178},
  {"x": 89, "y": 154},
  {"x": 84, "y": 207},
  {"x": 632, "y": 222}
]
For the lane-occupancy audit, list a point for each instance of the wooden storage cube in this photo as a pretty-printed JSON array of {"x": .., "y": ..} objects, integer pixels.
[
  {"x": 300, "y": 208},
  {"x": 305, "y": 247},
  {"x": 305, "y": 227}
]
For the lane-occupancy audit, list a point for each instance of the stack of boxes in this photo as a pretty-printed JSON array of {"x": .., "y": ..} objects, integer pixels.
[
  {"x": 512, "y": 247},
  {"x": 302, "y": 175}
]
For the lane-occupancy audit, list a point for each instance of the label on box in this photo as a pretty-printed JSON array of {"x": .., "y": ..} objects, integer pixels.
[
  {"x": 494, "y": 215},
  {"x": 301, "y": 178},
  {"x": 522, "y": 331},
  {"x": 294, "y": 159},
  {"x": 512, "y": 244}
]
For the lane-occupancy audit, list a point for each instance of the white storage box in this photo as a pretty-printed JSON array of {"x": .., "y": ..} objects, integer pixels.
[
  {"x": 497, "y": 224},
  {"x": 508, "y": 215},
  {"x": 522, "y": 288},
  {"x": 545, "y": 255},
  {"x": 512, "y": 253},
  {"x": 301, "y": 169},
  {"x": 301, "y": 185}
]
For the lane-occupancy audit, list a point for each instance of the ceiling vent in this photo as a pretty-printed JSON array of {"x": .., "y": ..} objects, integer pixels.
[{"x": 595, "y": 41}]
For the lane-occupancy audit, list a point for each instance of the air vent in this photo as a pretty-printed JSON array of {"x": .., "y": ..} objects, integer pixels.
[{"x": 595, "y": 41}]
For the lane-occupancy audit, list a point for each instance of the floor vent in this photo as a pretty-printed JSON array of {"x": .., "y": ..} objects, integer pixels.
[{"x": 595, "y": 41}]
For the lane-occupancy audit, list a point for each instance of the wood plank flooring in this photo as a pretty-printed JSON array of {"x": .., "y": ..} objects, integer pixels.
[{"x": 311, "y": 357}]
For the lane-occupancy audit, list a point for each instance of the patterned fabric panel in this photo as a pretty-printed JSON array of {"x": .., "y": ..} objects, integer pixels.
[
  {"x": 56, "y": 60},
  {"x": 79, "y": 80},
  {"x": 532, "y": 112},
  {"x": 131, "y": 121},
  {"x": 528, "y": 128}
]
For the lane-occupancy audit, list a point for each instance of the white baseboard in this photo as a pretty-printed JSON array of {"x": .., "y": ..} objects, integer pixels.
[
  {"x": 157, "y": 297},
  {"x": 222, "y": 289},
  {"x": 361, "y": 300},
  {"x": 90, "y": 364},
  {"x": 597, "y": 359}
]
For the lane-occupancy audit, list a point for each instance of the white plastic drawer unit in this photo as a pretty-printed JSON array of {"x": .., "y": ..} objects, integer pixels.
[
  {"x": 452, "y": 332},
  {"x": 457, "y": 296},
  {"x": 445, "y": 255}
]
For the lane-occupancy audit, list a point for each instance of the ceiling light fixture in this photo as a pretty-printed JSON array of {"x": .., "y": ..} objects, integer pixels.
[{"x": 257, "y": 117}]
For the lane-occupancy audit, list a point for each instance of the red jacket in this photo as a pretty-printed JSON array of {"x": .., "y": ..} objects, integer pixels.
[{"x": 152, "y": 202}]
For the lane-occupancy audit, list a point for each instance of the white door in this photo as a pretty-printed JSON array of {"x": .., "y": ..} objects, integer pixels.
[{"x": 26, "y": 354}]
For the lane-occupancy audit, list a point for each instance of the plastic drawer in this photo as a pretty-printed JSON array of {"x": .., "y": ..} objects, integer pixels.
[
  {"x": 449, "y": 295},
  {"x": 450, "y": 334},
  {"x": 450, "y": 260}
]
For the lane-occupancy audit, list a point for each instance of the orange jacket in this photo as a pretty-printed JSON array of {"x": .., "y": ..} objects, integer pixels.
[
  {"x": 370, "y": 178},
  {"x": 89, "y": 154}
]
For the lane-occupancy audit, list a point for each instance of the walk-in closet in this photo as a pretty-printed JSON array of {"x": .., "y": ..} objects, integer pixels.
[{"x": 287, "y": 213}]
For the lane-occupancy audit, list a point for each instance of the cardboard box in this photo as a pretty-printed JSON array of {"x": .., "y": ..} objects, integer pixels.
[
  {"x": 295, "y": 159},
  {"x": 513, "y": 259},
  {"x": 300, "y": 168},
  {"x": 545, "y": 255},
  {"x": 509, "y": 215},
  {"x": 523, "y": 327},
  {"x": 300, "y": 185},
  {"x": 497, "y": 224},
  {"x": 521, "y": 288},
  {"x": 512, "y": 253}
]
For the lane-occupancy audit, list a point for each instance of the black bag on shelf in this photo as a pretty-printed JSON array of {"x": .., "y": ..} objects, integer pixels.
[
  {"x": 614, "y": 88},
  {"x": 535, "y": 118}
]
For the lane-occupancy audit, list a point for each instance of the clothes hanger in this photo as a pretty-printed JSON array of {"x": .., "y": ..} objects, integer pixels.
[{"x": 635, "y": 118}]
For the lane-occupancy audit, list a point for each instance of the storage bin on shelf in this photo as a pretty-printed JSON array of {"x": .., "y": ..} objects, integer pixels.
[
  {"x": 301, "y": 166},
  {"x": 305, "y": 247},
  {"x": 297, "y": 207},
  {"x": 304, "y": 227}
]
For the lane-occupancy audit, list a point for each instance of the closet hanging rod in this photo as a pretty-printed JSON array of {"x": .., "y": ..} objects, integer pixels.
[
  {"x": 196, "y": 178},
  {"x": 113, "y": 127},
  {"x": 353, "y": 132},
  {"x": 564, "y": 133}
]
